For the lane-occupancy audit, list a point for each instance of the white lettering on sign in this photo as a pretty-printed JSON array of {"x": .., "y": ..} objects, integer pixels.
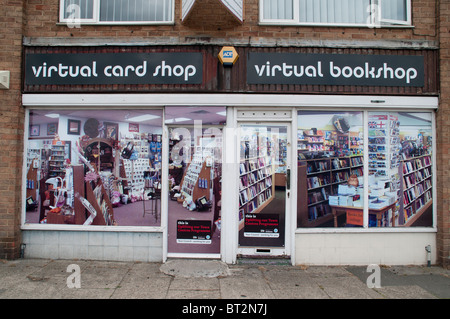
[
  {"x": 368, "y": 71},
  {"x": 163, "y": 70},
  {"x": 177, "y": 70},
  {"x": 65, "y": 70},
  {"x": 315, "y": 71}
]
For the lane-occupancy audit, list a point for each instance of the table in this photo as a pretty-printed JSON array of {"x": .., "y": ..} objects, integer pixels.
[
  {"x": 156, "y": 195},
  {"x": 356, "y": 213}
]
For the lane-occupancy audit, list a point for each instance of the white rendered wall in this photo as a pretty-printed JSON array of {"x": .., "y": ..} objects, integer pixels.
[
  {"x": 381, "y": 248},
  {"x": 93, "y": 245}
]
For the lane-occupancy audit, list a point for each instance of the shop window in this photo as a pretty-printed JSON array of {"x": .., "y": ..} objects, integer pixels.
[
  {"x": 117, "y": 11},
  {"x": 97, "y": 167},
  {"x": 330, "y": 169},
  {"x": 400, "y": 169},
  {"x": 336, "y": 12},
  {"x": 195, "y": 178}
]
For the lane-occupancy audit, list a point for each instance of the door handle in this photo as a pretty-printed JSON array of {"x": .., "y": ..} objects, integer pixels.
[{"x": 288, "y": 179}]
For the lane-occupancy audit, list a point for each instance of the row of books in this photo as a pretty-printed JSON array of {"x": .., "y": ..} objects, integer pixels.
[
  {"x": 418, "y": 163},
  {"x": 318, "y": 196},
  {"x": 339, "y": 163},
  {"x": 254, "y": 177},
  {"x": 412, "y": 179},
  {"x": 339, "y": 177},
  {"x": 257, "y": 201},
  {"x": 356, "y": 161},
  {"x": 316, "y": 211},
  {"x": 318, "y": 181},
  {"x": 409, "y": 196},
  {"x": 249, "y": 166},
  {"x": 317, "y": 166}
]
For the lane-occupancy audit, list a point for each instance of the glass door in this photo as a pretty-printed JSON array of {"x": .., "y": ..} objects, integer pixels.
[{"x": 264, "y": 186}]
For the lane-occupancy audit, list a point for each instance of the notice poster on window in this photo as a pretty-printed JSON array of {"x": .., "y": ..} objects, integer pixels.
[
  {"x": 194, "y": 232},
  {"x": 262, "y": 225}
]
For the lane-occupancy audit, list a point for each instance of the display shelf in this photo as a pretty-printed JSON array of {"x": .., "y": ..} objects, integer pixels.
[
  {"x": 134, "y": 174},
  {"x": 384, "y": 159},
  {"x": 196, "y": 181},
  {"x": 56, "y": 161},
  {"x": 417, "y": 188}
]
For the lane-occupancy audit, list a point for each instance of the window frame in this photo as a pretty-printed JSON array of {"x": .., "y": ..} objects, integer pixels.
[
  {"x": 96, "y": 17},
  {"x": 383, "y": 23}
]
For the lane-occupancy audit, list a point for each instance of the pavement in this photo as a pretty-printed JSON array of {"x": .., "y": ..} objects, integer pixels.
[{"x": 212, "y": 279}]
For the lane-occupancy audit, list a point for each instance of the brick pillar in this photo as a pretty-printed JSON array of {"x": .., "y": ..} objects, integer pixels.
[
  {"x": 443, "y": 137},
  {"x": 11, "y": 128}
]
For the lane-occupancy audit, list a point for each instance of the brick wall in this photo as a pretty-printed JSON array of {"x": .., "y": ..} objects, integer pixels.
[
  {"x": 443, "y": 137},
  {"x": 209, "y": 19},
  {"x": 11, "y": 128}
]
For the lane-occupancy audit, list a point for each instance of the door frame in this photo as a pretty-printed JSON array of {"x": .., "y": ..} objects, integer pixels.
[{"x": 263, "y": 116}]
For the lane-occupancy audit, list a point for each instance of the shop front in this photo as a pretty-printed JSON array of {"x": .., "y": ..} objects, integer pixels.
[{"x": 307, "y": 154}]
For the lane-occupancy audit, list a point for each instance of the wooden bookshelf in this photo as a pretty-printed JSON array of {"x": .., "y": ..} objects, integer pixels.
[
  {"x": 417, "y": 188},
  {"x": 256, "y": 185},
  {"x": 317, "y": 180}
]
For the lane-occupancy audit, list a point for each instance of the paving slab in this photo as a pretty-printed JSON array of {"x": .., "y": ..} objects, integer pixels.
[
  {"x": 194, "y": 268},
  {"x": 212, "y": 279}
]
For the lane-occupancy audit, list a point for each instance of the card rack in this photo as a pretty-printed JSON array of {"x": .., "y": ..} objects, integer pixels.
[{"x": 196, "y": 180}]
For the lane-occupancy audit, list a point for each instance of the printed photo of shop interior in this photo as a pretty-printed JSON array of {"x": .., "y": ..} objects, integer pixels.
[
  {"x": 87, "y": 167},
  {"x": 104, "y": 167},
  {"x": 331, "y": 169},
  {"x": 262, "y": 185},
  {"x": 195, "y": 178}
]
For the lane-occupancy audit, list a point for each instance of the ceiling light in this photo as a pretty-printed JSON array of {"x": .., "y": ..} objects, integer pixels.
[
  {"x": 52, "y": 115},
  {"x": 141, "y": 118},
  {"x": 178, "y": 119},
  {"x": 182, "y": 119}
]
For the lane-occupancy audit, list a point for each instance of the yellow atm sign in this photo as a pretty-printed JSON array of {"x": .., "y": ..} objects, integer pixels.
[{"x": 228, "y": 56}]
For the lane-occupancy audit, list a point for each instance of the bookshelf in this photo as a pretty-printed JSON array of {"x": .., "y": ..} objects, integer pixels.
[
  {"x": 323, "y": 177},
  {"x": 417, "y": 188},
  {"x": 256, "y": 185}
]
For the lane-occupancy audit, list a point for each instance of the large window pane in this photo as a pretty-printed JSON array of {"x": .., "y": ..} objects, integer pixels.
[
  {"x": 136, "y": 10},
  {"x": 337, "y": 12},
  {"x": 400, "y": 169},
  {"x": 330, "y": 169},
  {"x": 334, "y": 11},
  {"x": 78, "y": 9},
  {"x": 278, "y": 9},
  {"x": 94, "y": 167},
  {"x": 394, "y": 9}
]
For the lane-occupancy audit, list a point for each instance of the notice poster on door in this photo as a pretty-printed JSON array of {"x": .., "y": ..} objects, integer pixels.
[
  {"x": 194, "y": 232},
  {"x": 262, "y": 225}
]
